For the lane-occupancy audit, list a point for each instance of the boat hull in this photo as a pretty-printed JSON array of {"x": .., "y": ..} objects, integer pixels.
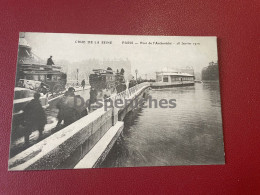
[{"x": 170, "y": 85}]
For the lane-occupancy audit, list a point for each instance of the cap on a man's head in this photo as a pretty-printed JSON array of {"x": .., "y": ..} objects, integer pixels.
[
  {"x": 71, "y": 89},
  {"x": 37, "y": 96}
]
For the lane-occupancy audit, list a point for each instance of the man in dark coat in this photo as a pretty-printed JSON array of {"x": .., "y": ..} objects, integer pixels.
[
  {"x": 50, "y": 61},
  {"x": 61, "y": 106},
  {"x": 83, "y": 83},
  {"x": 34, "y": 117},
  {"x": 70, "y": 114},
  {"x": 93, "y": 97},
  {"x": 68, "y": 110}
]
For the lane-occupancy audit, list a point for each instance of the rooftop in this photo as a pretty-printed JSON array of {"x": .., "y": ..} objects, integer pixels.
[{"x": 172, "y": 73}]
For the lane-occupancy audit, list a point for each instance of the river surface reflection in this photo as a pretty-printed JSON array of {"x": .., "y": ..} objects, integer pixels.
[{"x": 189, "y": 134}]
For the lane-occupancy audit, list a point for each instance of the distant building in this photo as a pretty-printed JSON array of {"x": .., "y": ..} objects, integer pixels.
[
  {"x": 85, "y": 67},
  {"x": 119, "y": 64},
  {"x": 210, "y": 72}
]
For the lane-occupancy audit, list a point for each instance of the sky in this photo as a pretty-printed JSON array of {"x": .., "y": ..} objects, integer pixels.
[{"x": 146, "y": 58}]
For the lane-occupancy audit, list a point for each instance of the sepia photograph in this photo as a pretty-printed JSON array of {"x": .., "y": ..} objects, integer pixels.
[{"x": 105, "y": 101}]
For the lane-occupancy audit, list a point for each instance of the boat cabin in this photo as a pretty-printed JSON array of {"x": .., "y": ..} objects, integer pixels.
[{"x": 174, "y": 77}]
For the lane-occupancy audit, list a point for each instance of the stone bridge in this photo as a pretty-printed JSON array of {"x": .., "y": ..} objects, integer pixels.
[{"x": 86, "y": 142}]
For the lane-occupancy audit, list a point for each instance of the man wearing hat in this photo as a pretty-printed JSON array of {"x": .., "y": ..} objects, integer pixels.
[
  {"x": 50, "y": 61},
  {"x": 34, "y": 117}
]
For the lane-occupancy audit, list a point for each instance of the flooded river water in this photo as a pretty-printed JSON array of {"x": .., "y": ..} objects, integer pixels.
[{"x": 189, "y": 134}]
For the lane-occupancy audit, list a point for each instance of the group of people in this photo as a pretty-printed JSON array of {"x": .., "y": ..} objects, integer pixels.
[{"x": 70, "y": 106}]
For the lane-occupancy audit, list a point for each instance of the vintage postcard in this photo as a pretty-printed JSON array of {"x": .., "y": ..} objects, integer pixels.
[{"x": 96, "y": 101}]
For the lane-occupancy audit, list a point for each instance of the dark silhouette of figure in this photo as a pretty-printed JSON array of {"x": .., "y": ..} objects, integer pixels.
[
  {"x": 122, "y": 72},
  {"x": 66, "y": 113},
  {"x": 83, "y": 83},
  {"x": 60, "y": 106},
  {"x": 34, "y": 117},
  {"x": 69, "y": 109},
  {"x": 71, "y": 91},
  {"x": 93, "y": 97},
  {"x": 44, "y": 88},
  {"x": 50, "y": 61}
]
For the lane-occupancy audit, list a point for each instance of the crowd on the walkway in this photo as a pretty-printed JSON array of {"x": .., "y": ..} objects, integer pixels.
[{"x": 71, "y": 107}]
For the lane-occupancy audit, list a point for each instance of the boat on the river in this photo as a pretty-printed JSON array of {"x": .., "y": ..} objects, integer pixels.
[{"x": 167, "y": 79}]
